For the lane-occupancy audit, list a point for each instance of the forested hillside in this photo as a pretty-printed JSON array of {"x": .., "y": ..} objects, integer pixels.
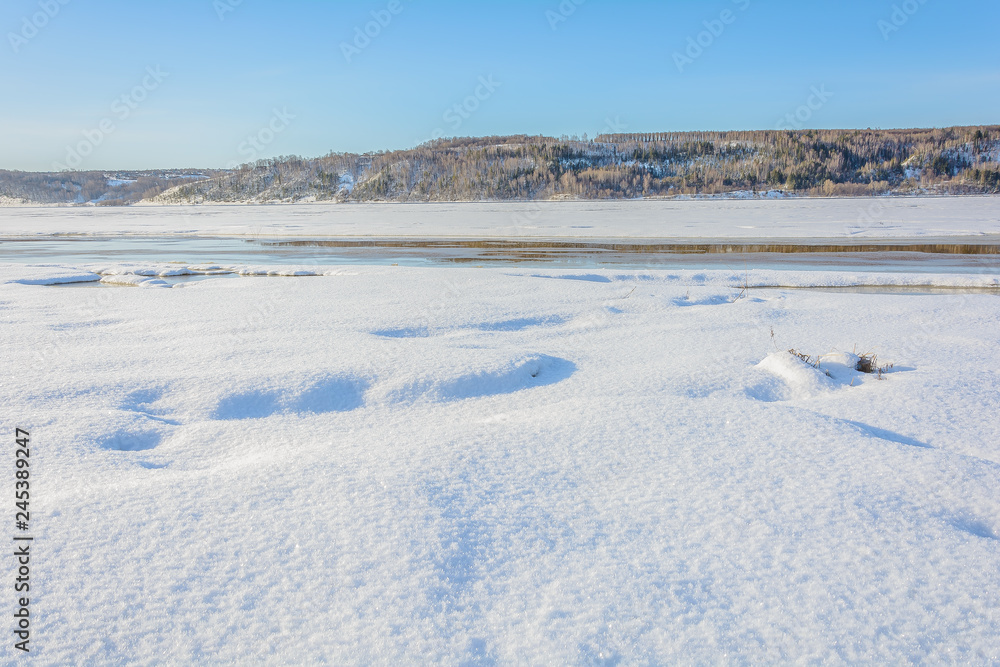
[
  {"x": 953, "y": 160},
  {"x": 960, "y": 160},
  {"x": 89, "y": 187}
]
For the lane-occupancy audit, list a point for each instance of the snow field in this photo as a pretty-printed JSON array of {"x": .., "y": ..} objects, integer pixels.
[
  {"x": 471, "y": 466},
  {"x": 860, "y": 218}
]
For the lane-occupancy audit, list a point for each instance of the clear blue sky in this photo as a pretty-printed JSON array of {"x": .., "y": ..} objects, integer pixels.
[{"x": 607, "y": 61}]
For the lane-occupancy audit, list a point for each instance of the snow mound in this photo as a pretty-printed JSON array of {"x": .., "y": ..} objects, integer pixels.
[
  {"x": 801, "y": 379},
  {"x": 131, "y": 280},
  {"x": 834, "y": 370},
  {"x": 842, "y": 367},
  {"x": 45, "y": 274},
  {"x": 159, "y": 269}
]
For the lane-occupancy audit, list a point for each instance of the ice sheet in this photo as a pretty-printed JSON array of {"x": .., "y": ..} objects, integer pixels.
[{"x": 844, "y": 219}]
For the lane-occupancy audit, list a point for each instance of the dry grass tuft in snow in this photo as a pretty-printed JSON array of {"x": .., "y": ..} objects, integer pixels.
[{"x": 868, "y": 363}]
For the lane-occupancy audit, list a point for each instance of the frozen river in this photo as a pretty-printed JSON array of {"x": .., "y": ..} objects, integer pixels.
[{"x": 939, "y": 255}]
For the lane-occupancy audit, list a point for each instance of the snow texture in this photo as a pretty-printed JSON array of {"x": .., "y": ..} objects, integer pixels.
[{"x": 394, "y": 465}]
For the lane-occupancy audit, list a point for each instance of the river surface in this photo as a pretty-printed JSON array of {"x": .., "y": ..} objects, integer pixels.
[{"x": 904, "y": 257}]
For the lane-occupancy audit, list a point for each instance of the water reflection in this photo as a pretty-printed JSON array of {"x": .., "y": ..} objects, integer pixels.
[{"x": 547, "y": 248}]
